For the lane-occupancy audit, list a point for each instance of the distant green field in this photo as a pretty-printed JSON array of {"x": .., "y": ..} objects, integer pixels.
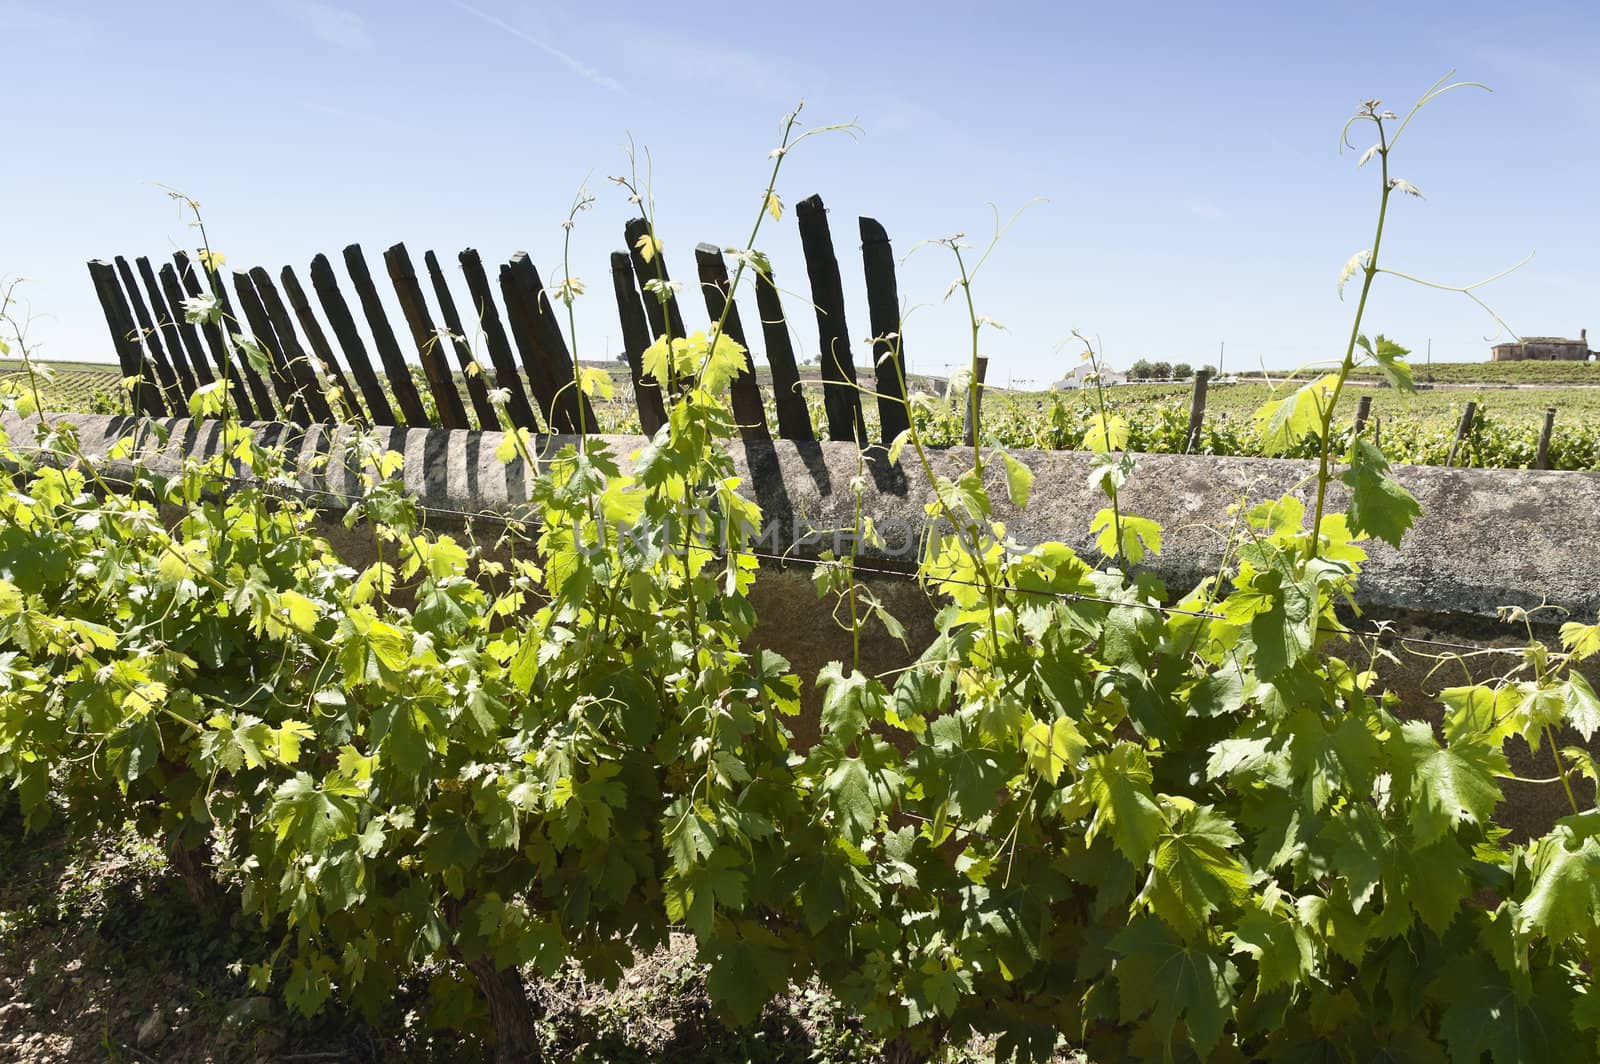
[{"x": 1500, "y": 372}]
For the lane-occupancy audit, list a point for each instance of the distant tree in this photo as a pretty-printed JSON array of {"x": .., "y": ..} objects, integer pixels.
[
  {"x": 1161, "y": 371},
  {"x": 1182, "y": 371},
  {"x": 1210, "y": 370}
]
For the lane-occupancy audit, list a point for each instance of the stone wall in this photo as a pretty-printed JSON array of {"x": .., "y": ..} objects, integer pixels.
[{"x": 1486, "y": 538}]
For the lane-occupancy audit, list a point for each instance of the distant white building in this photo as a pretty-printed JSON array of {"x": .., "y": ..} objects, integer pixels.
[{"x": 1080, "y": 377}]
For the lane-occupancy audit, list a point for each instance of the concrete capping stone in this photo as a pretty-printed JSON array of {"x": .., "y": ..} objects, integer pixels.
[{"x": 1485, "y": 539}]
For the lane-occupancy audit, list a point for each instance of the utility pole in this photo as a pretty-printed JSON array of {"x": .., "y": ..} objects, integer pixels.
[{"x": 1222, "y": 349}]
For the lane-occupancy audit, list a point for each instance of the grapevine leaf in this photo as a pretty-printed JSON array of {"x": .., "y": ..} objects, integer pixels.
[
  {"x": 1193, "y": 872},
  {"x": 1565, "y": 895},
  {"x": 1379, "y": 506},
  {"x": 1160, "y": 975},
  {"x": 1118, "y": 783},
  {"x": 860, "y": 788},
  {"x": 1019, "y": 481},
  {"x": 1483, "y": 1013},
  {"x": 1281, "y": 946},
  {"x": 1583, "y": 708},
  {"x": 1450, "y": 785},
  {"x": 748, "y": 968},
  {"x": 1285, "y": 422},
  {"x": 1052, "y": 747},
  {"x": 1390, "y": 360}
]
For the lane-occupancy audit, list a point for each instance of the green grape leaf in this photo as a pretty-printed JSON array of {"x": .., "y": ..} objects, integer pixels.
[
  {"x": 1019, "y": 481},
  {"x": 1449, "y": 786},
  {"x": 1390, "y": 360},
  {"x": 1379, "y": 506},
  {"x": 748, "y": 968},
  {"x": 1160, "y": 975},
  {"x": 849, "y": 703},
  {"x": 1138, "y": 535},
  {"x": 1193, "y": 872},
  {"x": 1285, "y": 422},
  {"x": 1052, "y": 747},
  {"x": 1582, "y": 707},
  {"x": 1484, "y": 1013},
  {"x": 1280, "y": 944},
  {"x": 1118, "y": 784},
  {"x": 860, "y": 788},
  {"x": 1565, "y": 896}
]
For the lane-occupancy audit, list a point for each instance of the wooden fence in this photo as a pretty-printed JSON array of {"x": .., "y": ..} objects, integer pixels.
[{"x": 168, "y": 358}]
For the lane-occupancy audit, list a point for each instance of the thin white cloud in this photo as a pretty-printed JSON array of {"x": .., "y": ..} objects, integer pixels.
[
  {"x": 1203, "y": 210},
  {"x": 329, "y": 24},
  {"x": 577, "y": 66}
]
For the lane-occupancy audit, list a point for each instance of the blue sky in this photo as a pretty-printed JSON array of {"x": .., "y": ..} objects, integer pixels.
[{"x": 1188, "y": 154}]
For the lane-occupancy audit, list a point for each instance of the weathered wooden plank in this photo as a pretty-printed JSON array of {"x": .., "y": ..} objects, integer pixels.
[
  {"x": 670, "y": 322},
  {"x": 794, "y": 416},
  {"x": 452, "y": 414},
  {"x": 1197, "y": 410},
  {"x": 472, "y": 371},
  {"x": 346, "y": 402},
  {"x": 748, "y": 410},
  {"x": 146, "y": 397},
  {"x": 186, "y": 333},
  {"x": 297, "y": 364},
  {"x": 215, "y": 342},
  {"x": 506, "y": 374},
  {"x": 394, "y": 363},
  {"x": 1541, "y": 458},
  {"x": 349, "y": 337},
  {"x": 635, "y": 339},
  {"x": 171, "y": 390},
  {"x": 1463, "y": 430},
  {"x": 883, "y": 308},
  {"x": 570, "y": 407},
  {"x": 255, "y": 315},
  {"x": 260, "y": 394},
  {"x": 840, "y": 399},
  {"x": 974, "y": 404},
  {"x": 520, "y": 319},
  {"x": 167, "y": 328}
]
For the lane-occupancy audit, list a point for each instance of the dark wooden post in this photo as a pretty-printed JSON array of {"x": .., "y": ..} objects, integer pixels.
[
  {"x": 344, "y": 329},
  {"x": 167, "y": 326},
  {"x": 506, "y": 374},
  {"x": 260, "y": 394},
  {"x": 840, "y": 399},
  {"x": 1462, "y": 430},
  {"x": 296, "y": 363},
  {"x": 146, "y": 395},
  {"x": 296, "y": 295},
  {"x": 794, "y": 416},
  {"x": 974, "y": 404},
  {"x": 635, "y": 339},
  {"x": 476, "y": 376},
  {"x": 186, "y": 333},
  {"x": 888, "y": 356},
  {"x": 669, "y": 321},
  {"x": 1363, "y": 413},
  {"x": 394, "y": 363},
  {"x": 1541, "y": 460},
  {"x": 215, "y": 342},
  {"x": 748, "y": 409},
  {"x": 255, "y": 313},
  {"x": 452, "y": 415},
  {"x": 1197, "y": 410},
  {"x": 569, "y": 407},
  {"x": 170, "y": 390}
]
